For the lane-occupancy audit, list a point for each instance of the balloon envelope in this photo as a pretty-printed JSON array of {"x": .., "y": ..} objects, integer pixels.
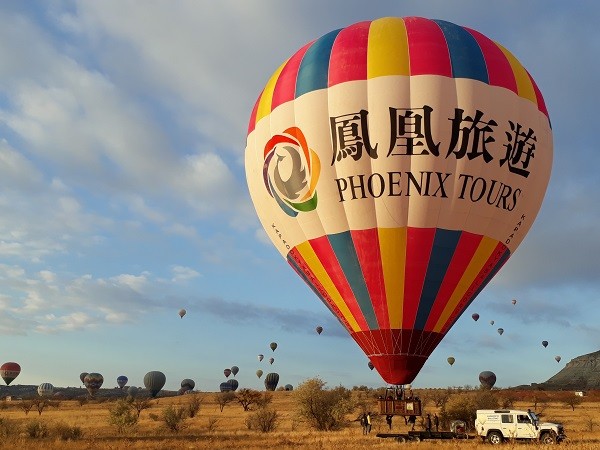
[
  {"x": 557, "y": 358},
  {"x": 371, "y": 366},
  {"x": 491, "y": 322},
  {"x": 260, "y": 357},
  {"x": 227, "y": 372},
  {"x": 45, "y": 390},
  {"x": 500, "y": 331},
  {"x": 271, "y": 360},
  {"x": 9, "y": 371},
  {"x": 289, "y": 387},
  {"x": 273, "y": 345},
  {"x": 451, "y": 360},
  {"x": 391, "y": 164},
  {"x": 182, "y": 312},
  {"x": 154, "y": 381},
  {"x": 233, "y": 383},
  {"x": 92, "y": 382},
  {"x": 132, "y": 390},
  {"x": 514, "y": 301},
  {"x": 475, "y": 317},
  {"x": 235, "y": 370},
  {"x": 545, "y": 344},
  {"x": 319, "y": 329},
  {"x": 225, "y": 387},
  {"x": 259, "y": 373},
  {"x": 189, "y": 383},
  {"x": 122, "y": 381},
  {"x": 487, "y": 379},
  {"x": 82, "y": 376},
  {"x": 271, "y": 381}
]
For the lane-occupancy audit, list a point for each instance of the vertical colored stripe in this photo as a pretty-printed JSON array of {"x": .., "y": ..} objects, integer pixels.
[
  {"x": 466, "y": 248},
  {"x": 314, "y": 69},
  {"x": 264, "y": 105},
  {"x": 418, "y": 250},
  {"x": 345, "y": 252},
  {"x": 538, "y": 94},
  {"x": 252, "y": 122},
  {"x": 465, "y": 55},
  {"x": 348, "y": 60},
  {"x": 392, "y": 242},
  {"x": 368, "y": 252},
  {"x": 388, "y": 48},
  {"x": 442, "y": 251},
  {"x": 524, "y": 86},
  {"x": 484, "y": 250},
  {"x": 427, "y": 48},
  {"x": 285, "y": 88},
  {"x": 312, "y": 260},
  {"x": 499, "y": 71}
]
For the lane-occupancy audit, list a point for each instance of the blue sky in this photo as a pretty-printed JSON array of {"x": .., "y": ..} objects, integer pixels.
[{"x": 123, "y": 196}]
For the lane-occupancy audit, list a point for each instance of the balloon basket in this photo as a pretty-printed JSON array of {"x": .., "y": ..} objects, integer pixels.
[{"x": 398, "y": 402}]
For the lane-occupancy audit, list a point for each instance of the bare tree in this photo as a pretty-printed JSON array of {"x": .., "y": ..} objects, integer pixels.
[
  {"x": 247, "y": 397},
  {"x": 140, "y": 403},
  {"x": 224, "y": 398}
]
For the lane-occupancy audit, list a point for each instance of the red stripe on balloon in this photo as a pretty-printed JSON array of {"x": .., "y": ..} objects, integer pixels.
[
  {"x": 252, "y": 122},
  {"x": 538, "y": 95},
  {"x": 285, "y": 87},
  {"x": 348, "y": 59},
  {"x": 366, "y": 243},
  {"x": 427, "y": 48}
]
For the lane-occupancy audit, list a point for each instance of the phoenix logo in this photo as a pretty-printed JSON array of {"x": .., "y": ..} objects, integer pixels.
[{"x": 291, "y": 171}]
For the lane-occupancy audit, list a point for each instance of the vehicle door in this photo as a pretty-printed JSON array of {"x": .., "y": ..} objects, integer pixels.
[
  {"x": 508, "y": 425},
  {"x": 525, "y": 428}
]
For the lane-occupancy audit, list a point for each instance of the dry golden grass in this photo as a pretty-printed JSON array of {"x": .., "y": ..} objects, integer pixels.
[{"x": 582, "y": 427}]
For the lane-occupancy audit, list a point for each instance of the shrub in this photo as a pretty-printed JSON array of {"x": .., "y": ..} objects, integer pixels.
[
  {"x": 212, "y": 423},
  {"x": 264, "y": 419},
  {"x": 193, "y": 406},
  {"x": 36, "y": 429},
  {"x": 323, "y": 409},
  {"x": 173, "y": 417},
  {"x": 66, "y": 432},
  {"x": 224, "y": 398},
  {"x": 122, "y": 415},
  {"x": 464, "y": 406},
  {"x": 7, "y": 427},
  {"x": 247, "y": 397}
]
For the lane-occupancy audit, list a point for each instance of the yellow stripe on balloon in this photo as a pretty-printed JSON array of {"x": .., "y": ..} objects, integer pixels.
[
  {"x": 264, "y": 106},
  {"x": 392, "y": 243},
  {"x": 524, "y": 84},
  {"x": 482, "y": 254},
  {"x": 319, "y": 271},
  {"x": 387, "y": 52}
]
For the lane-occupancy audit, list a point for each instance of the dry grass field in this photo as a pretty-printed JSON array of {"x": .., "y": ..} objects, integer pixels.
[{"x": 213, "y": 429}]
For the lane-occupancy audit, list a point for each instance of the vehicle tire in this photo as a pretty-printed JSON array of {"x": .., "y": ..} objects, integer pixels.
[
  {"x": 400, "y": 439},
  {"x": 548, "y": 438},
  {"x": 495, "y": 437}
]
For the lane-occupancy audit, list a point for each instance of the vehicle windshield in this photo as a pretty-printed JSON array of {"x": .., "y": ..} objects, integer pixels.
[{"x": 534, "y": 417}]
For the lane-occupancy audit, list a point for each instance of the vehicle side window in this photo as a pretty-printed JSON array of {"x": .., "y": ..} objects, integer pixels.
[
  {"x": 507, "y": 418},
  {"x": 523, "y": 419}
]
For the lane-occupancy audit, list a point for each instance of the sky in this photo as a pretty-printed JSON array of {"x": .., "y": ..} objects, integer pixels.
[{"x": 123, "y": 197}]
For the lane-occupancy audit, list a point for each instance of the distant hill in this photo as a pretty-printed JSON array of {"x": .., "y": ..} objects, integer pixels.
[{"x": 580, "y": 374}]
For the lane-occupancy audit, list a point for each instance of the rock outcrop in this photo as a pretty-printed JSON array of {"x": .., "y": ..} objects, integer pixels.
[{"x": 581, "y": 373}]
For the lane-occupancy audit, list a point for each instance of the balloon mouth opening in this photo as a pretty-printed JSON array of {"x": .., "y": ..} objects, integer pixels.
[{"x": 398, "y": 369}]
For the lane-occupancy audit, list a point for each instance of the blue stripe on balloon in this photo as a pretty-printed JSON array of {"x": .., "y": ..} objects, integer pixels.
[
  {"x": 442, "y": 251},
  {"x": 345, "y": 252},
  {"x": 313, "y": 73},
  {"x": 465, "y": 55}
]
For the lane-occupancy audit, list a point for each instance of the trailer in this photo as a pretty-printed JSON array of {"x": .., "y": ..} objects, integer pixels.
[{"x": 417, "y": 436}]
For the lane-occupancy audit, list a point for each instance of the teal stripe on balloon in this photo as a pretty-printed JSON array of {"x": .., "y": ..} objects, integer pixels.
[
  {"x": 314, "y": 69},
  {"x": 345, "y": 252}
]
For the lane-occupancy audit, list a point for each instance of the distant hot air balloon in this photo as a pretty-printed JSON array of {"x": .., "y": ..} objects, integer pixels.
[
  {"x": 271, "y": 381},
  {"x": 233, "y": 383},
  {"x": 235, "y": 370},
  {"x": 92, "y": 382},
  {"x": 154, "y": 382},
  {"x": 491, "y": 322},
  {"x": 225, "y": 387},
  {"x": 132, "y": 391},
  {"x": 500, "y": 331},
  {"x": 396, "y": 158},
  {"x": 260, "y": 357},
  {"x": 82, "y": 376},
  {"x": 122, "y": 381},
  {"x": 557, "y": 358},
  {"x": 319, "y": 329},
  {"x": 545, "y": 344},
  {"x": 45, "y": 390},
  {"x": 259, "y": 373},
  {"x": 227, "y": 372},
  {"x": 289, "y": 387},
  {"x": 487, "y": 379},
  {"x": 371, "y": 366},
  {"x": 273, "y": 345},
  {"x": 182, "y": 312},
  {"x": 271, "y": 360},
  {"x": 475, "y": 317},
  {"x": 188, "y": 383},
  {"x": 9, "y": 371},
  {"x": 514, "y": 301},
  {"x": 451, "y": 360}
]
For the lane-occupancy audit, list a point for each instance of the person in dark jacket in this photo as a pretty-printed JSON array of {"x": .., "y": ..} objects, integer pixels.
[{"x": 428, "y": 423}]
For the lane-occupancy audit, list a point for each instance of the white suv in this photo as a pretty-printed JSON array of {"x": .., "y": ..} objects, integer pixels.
[{"x": 499, "y": 425}]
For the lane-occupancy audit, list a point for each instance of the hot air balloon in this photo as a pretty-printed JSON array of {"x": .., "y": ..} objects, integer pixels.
[
  {"x": 500, "y": 331},
  {"x": 451, "y": 360},
  {"x": 233, "y": 383},
  {"x": 227, "y": 372},
  {"x": 154, "y": 382},
  {"x": 371, "y": 366},
  {"x": 188, "y": 383},
  {"x": 273, "y": 345},
  {"x": 92, "y": 382},
  {"x": 122, "y": 381},
  {"x": 545, "y": 344},
  {"x": 289, "y": 387},
  {"x": 319, "y": 329},
  {"x": 391, "y": 164},
  {"x": 225, "y": 387},
  {"x": 182, "y": 312},
  {"x": 132, "y": 391},
  {"x": 271, "y": 360},
  {"x": 260, "y": 357},
  {"x": 259, "y": 373},
  {"x": 557, "y": 358},
  {"x": 82, "y": 376},
  {"x": 271, "y": 381},
  {"x": 514, "y": 301},
  {"x": 235, "y": 370},
  {"x": 45, "y": 390},
  {"x": 9, "y": 371},
  {"x": 491, "y": 322},
  {"x": 475, "y": 317},
  {"x": 487, "y": 379}
]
